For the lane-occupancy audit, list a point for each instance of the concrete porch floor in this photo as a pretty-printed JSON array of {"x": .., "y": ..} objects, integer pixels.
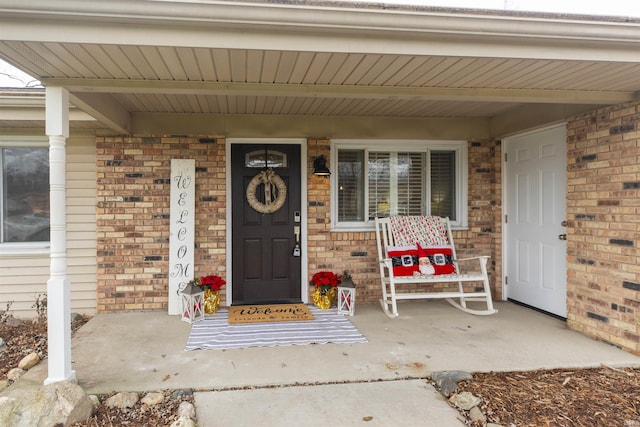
[{"x": 145, "y": 352}]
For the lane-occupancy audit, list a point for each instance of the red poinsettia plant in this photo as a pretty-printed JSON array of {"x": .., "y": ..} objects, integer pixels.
[
  {"x": 325, "y": 280},
  {"x": 209, "y": 282}
]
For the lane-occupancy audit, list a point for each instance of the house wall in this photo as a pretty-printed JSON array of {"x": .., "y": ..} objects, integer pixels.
[
  {"x": 133, "y": 219},
  {"x": 81, "y": 220},
  {"x": 133, "y": 187},
  {"x": 603, "y": 212},
  {"x": 24, "y": 275},
  {"x": 356, "y": 251}
]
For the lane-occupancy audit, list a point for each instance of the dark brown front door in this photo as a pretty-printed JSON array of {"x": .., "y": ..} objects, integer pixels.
[{"x": 263, "y": 262}]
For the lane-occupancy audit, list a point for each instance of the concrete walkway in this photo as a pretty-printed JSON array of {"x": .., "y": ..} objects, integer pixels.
[{"x": 314, "y": 384}]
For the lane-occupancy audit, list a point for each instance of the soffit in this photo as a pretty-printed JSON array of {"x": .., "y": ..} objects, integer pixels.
[
  {"x": 232, "y": 81},
  {"x": 25, "y": 109},
  {"x": 316, "y": 69}
]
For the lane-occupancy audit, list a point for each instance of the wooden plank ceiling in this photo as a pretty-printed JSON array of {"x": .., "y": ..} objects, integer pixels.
[
  {"x": 303, "y": 70},
  {"x": 130, "y": 63}
]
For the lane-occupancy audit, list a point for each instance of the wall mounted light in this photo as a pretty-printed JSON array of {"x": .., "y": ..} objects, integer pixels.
[{"x": 320, "y": 166}]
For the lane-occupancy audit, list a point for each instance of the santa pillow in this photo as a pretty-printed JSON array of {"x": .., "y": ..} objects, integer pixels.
[
  {"x": 404, "y": 259},
  {"x": 434, "y": 260}
]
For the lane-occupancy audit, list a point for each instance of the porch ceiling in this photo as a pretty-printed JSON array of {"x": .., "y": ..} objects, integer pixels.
[{"x": 319, "y": 59}]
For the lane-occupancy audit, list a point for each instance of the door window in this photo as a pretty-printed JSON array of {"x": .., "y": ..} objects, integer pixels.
[{"x": 261, "y": 159}]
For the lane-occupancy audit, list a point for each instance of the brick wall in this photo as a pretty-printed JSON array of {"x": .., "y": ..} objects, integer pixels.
[
  {"x": 603, "y": 207},
  {"x": 356, "y": 251},
  {"x": 603, "y": 210},
  {"x": 133, "y": 190},
  {"x": 338, "y": 251},
  {"x": 133, "y": 219}
]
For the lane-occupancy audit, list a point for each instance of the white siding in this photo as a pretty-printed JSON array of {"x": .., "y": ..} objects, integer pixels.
[
  {"x": 81, "y": 223},
  {"x": 24, "y": 276}
]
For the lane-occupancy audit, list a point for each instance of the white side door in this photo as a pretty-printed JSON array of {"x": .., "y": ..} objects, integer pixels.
[{"x": 535, "y": 186}]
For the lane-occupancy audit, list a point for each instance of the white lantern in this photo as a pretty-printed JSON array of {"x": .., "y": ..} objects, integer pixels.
[
  {"x": 192, "y": 303},
  {"x": 347, "y": 297}
]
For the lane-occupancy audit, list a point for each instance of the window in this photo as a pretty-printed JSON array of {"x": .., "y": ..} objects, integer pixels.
[
  {"x": 24, "y": 184},
  {"x": 383, "y": 178},
  {"x": 265, "y": 159}
]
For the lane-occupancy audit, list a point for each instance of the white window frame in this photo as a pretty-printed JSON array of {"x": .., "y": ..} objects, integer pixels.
[
  {"x": 23, "y": 248},
  {"x": 401, "y": 145}
]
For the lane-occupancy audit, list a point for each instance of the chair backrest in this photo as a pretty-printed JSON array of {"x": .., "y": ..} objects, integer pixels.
[
  {"x": 423, "y": 230},
  {"x": 384, "y": 237},
  {"x": 411, "y": 230}
]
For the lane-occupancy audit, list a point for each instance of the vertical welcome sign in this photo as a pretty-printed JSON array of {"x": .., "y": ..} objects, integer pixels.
[{"x": 181, "y": 230}]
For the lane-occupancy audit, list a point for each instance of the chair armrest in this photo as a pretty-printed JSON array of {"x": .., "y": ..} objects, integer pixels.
[
  {"x": 482, "y": 261},
  {"x": 386, "y": 262},
  {"x": 473, "y": 257}
]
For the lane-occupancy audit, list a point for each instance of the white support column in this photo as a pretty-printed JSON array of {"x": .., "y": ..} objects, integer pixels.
[{"x": 58, "y": 287}]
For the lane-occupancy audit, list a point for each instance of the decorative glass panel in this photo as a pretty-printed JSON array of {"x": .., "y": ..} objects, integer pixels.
[
  {"x": 25, "y": 194},
  {"x": 443, "y": 184},
  {"x": 410, "y": 184},
  {"x": 396, "y": 184},
  {"x": 350, "y": 185},
  {"x": 379, "y": 184},
  {"x": 260, "y": 159}
]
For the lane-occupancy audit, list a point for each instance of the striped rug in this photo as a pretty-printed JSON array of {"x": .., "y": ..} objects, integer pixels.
[{"x": 215, "y": 332}]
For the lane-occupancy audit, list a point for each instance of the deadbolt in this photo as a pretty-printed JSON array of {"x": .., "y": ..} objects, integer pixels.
[{"x": 564, "y": 223}]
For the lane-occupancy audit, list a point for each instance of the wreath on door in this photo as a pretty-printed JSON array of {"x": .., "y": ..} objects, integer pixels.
[{"x": 275, "y": 192}]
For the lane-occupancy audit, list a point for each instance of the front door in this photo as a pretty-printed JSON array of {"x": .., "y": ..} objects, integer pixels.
[
  {"x": 265, "y": 261},
  {"x": 536, "y": 204}
]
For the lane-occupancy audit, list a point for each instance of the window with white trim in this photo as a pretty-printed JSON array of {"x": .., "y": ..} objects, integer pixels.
[
  {"x": 383, "y": 178},
  {"x": 24, "y": 193}
]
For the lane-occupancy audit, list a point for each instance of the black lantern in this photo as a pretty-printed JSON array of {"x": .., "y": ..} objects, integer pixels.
[{"x": 320, "y": 166}]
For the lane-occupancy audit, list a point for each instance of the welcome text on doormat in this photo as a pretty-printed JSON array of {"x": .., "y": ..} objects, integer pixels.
[{"x": 269, "y": 313}]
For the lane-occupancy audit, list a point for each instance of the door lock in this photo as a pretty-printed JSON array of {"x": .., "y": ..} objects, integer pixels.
[{"x": 562, "y": 236}]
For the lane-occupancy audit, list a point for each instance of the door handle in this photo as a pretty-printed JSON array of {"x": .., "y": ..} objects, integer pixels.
[
  {"x": 562, "y": 236},
  {"x": 296, "y": 249}
]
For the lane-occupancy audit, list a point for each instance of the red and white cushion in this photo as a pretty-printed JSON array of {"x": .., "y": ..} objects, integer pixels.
[
  {"x": 435, "y": 260},
  {"x": 423, "y": 230},
  {"x": 404, "y": 259}
]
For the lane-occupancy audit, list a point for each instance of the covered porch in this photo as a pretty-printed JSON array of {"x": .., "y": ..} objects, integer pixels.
[
  {"x": 143, "y": 351},
  {"x": 356, "y": 379},
  {"x": 159, "y": 74}
]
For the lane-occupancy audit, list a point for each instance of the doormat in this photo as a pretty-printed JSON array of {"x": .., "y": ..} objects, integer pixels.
[
  {"x": 327, "y": 326},
  {"x": 268, "y": 313}
]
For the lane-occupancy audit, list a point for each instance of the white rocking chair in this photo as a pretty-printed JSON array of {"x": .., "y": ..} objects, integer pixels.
[{"x": 426, "y": 232}]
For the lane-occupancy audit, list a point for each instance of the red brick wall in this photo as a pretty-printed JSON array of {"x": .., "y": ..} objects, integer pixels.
[
  {"x": 603, "y": 210},
  {"x": 133, "y": 219}
]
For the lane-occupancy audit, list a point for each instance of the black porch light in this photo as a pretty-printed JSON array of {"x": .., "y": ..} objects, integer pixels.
[{"x": 320, "y": 166}]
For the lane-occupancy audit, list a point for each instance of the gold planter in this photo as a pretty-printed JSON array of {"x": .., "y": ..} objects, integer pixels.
[
  {"x": 324, "y": 300},
  {"x": 211, "y": 301}
]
